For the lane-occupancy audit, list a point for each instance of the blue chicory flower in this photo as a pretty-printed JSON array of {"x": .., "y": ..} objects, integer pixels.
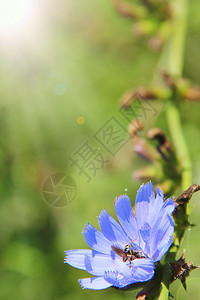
[{"x": 123, "y": 255}]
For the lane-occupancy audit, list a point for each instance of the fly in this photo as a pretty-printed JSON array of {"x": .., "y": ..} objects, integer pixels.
[{"x": 128, "y": 253}]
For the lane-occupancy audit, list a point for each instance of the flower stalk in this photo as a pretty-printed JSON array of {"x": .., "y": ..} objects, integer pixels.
[{"x": 175, "y": 66}]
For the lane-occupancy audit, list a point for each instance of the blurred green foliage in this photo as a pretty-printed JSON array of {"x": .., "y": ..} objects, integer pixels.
[{"x": 78, "y": 64}]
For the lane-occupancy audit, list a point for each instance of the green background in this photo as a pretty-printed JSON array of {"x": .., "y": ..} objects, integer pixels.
[{"x": 76, "y": 61}]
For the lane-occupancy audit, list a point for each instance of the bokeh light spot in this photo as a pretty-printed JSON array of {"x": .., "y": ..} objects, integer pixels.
[
  {"x": 80, "y": 120},
  {"x": 60, "y": 89}
]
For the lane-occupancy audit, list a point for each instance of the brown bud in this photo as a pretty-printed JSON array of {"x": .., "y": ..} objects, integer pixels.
[
  {"x": 145, "y": 94},
  {"x": 193, "y": 93},
  {"x": 141, "y": 148},
  {"x": 164, "y": 145},
  {"x": 156, "y": 43},
  {"x": 168, "y": 79},
  {"x": 127, "y": 99},
  {"x": 134, "y": 127},
  {"x": 125, "y": 9},
  {"x": 141, "y": 93},
  {"x": 157, "y": 134}
]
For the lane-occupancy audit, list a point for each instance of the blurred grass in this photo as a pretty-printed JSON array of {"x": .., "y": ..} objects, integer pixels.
[{"x": 85, "y": 58}]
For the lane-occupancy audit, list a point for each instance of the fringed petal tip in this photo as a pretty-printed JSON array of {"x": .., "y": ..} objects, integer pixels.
[
  {"x": 86, "y": 227},
  {"x": 96, "y": 240},
  {"x": 66, "y": 256},
  {"x": 125, "y": 215},
  {"x": 76, "y": 258},
  {"x": 94, "y": 283},
  {"x": 111, "y": 229},
  {"x": 118, "y": 197},
  {"x": 80, "y": 281}
]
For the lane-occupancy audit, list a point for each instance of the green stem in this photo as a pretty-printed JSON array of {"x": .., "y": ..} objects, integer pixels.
[
  {"x": 176, "y": 49},
  {"x": 175, "y": 62},
  {"x": 174, "y": 124},
  {"x": 175, "y": 66}
]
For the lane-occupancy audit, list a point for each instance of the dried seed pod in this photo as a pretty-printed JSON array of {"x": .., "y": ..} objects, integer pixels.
[
  {"x": 182, "y": 200},
  {"x": 187, "y": 195},
  {"x": 181, "y": 269},
  {"x": 144, "y": 293}
]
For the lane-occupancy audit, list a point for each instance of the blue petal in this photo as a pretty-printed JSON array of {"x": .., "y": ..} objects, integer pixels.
[
  {"x": 143, "y": 269},
  {"x": 168, "y": 206},
  {"x": 156, "y": 205},
  {"x": 145, "y": 199},
  {"x": 126, "y": 217},
  {"x": 164, "y": 229},
  {"x": 140, "y": 270},
  {"x": 96, "y": 240},
  {"x": 161, "y": 235},
  {"x": 95, "y": 283},
  {"x": 98, "y": 263},
  {"x": 162, "y": 249},
  {"x": 76, "y": 258},
  {"x": 153, "y": 219},
  {"x": 112, "y": 230},
  {"x": 145, "y": 233}
]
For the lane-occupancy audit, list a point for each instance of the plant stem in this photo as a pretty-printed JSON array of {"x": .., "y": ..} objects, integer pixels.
[
  {"x": 176, "y": 49},
  {"x": 174, "y": 124},
  {"x": 175, "y": 66},
  {"x": 175, "y": 60}
]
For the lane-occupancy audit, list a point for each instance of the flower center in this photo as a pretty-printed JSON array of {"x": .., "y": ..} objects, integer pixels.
[{"x": 130, "y": 252}]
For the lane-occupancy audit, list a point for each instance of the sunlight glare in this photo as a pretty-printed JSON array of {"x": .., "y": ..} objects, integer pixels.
[{"x": 15, "y": 15}]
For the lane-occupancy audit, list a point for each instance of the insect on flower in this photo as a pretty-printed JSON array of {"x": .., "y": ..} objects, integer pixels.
[
  {"x": 129, "y": 253},
  {"x": 125, "y": 253}
]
